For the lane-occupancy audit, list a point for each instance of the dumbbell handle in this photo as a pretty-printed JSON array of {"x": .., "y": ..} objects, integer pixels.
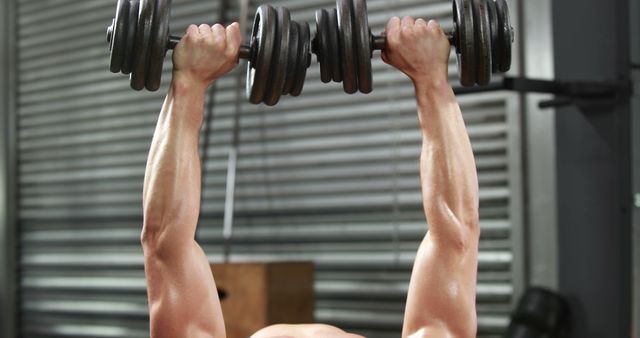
[
  {"x": 244, "y": 53},
  {"x": 379, "y": 42}
]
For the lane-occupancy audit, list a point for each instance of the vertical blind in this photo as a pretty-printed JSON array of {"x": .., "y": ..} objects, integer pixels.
[{"x": 326, "y": 177}]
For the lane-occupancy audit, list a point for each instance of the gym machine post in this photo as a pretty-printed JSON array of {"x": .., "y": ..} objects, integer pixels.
[{"x": 279, "y": 50}]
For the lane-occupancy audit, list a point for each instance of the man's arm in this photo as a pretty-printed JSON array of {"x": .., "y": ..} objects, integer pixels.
[
  {"x": 442, "y": 291},
  {"x": 183, "y": 300}
]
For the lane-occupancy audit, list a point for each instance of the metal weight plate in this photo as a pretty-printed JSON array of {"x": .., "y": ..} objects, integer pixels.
[
  {"x": 294, "y": 57},
  {"x": 304, "y": 59},
  {"x": 159, "y": 43},
  {"x": 321, "y": 44},
  {"x": 142, "y": 45},
  {"x": 495, "y": 38},
  {"x": 465, "y": 50},
  {"x": 118, "y": 35},
  {"x": 348, "y": 53},
  {"x": 483, "y": 42},
  {"x": 506, "y": 35},
  {"x": 134, "y": 9},
  {"x": 263, "y": 33},
  {"x": 280, "y": 58},
  {"x": 334, "y": 53},
  {"x": 363, "y": 46}
]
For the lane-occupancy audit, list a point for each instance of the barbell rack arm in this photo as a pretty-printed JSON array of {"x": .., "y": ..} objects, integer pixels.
[{"x": 583, "y": 93}]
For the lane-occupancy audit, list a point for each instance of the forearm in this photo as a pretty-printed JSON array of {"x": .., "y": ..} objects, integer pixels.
[
  {"x": 171, "y": 197},
  {"x": 447, "y": 166}
]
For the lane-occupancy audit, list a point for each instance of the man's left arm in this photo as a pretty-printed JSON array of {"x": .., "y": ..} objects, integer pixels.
[{"x": 183, "y": 299}]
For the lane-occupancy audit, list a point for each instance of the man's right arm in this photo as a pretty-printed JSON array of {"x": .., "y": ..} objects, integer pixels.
[{"x": 441, "y": 298}]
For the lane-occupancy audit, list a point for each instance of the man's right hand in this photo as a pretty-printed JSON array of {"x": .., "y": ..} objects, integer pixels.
[
  {"x": 206, "y": 53},
  {"x": 418, "y": 49}
]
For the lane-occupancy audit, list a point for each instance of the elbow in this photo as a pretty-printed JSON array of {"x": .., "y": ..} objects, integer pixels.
[
  {"x": 458, "y": 229},
  {"x": 471, "y": 224},
  {"x": 149, "y": 235},
  {"x": 469, "y": 233},
  {"x": 153, "y": 229}
]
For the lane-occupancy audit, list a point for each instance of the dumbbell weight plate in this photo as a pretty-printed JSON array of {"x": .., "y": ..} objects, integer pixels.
[
  {"x": 263, "y": 33},
  {"x": 159, "y": 43},
  {"x": 495, "y": 38},
  {"x": 134, "y": 9},
  {"x": 304, "y": 58},
  {"x": 506, "y": 35},
  {"x": 294, "y": 55},
  {"x": 465, "y": 49},
  {"x": 334, "y": 54},
  {"x": 363, "y": 46},
  {"x": 321, "y": 44},
  {"x": 483, "y": 42},
  {"x": 142, "y": 45},
  {"x": 280, "y": 58},
  {"x": 118, "y": 36},
  {"x": 348, "y": 53}
]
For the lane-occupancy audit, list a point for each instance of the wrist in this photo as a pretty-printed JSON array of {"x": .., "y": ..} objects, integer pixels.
[
  {"x": 434, "y": 98},
  {"x": 186, "y": 102},
  {"x": 427, "y": 84},
  {"x": 183, "y": 83}
]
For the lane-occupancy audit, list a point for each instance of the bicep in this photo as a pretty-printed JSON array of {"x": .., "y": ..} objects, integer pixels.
[
  {"x": 183, "y": 299},
  {"x": 442, "y": 289}
]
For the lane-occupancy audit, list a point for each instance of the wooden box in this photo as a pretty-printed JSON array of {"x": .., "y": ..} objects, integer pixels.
[{"x": 256, "y": 295}]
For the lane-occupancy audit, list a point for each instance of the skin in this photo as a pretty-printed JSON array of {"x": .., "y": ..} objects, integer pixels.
[{"x": 183, "y": 301}]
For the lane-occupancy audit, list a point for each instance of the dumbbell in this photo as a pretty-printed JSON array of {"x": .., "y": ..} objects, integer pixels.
[
  {"x": 278, "y": 52},
  {"x": 482, "y": 36}
]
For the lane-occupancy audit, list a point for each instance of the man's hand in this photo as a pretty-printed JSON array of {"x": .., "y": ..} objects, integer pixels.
[
  {"x": 417, "y": 48},
  {"x": 206, "y": 53}
]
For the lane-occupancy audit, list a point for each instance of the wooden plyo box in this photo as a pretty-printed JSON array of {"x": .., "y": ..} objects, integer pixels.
[{"x": 256, "y": 295}]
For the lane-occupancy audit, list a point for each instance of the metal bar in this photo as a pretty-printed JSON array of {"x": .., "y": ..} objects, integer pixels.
[
  {"x": 634, "y": 21},
  {"x": 516, "y": 164},
  {"x": 586, "y": 89},
  {"x": 8, "y": 253},
  {"x": 539, "y": 150}
]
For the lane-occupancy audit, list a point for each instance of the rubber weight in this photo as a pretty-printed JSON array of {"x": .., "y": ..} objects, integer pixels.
[
  {"x": 263, "y": 33},
  {"x": 347, "y": 48},
  {"x": 505, "y": 33},
  {"x": 464, "y": 41},
  {"x": 363, "y": 46},
  {"x": 482, "y": 42},
  {"x": 278, "y": 55},
  {"x": 495, "y": 37},
  {"x": 158, "y": 49},
  {"x": 482, "y": 36}
]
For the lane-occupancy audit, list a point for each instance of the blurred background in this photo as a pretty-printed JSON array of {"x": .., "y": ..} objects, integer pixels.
[{"x": 324, "y": 177}]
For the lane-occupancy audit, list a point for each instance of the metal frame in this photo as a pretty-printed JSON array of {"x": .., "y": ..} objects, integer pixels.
[
  {"x": 8, "y": 254},
  {"x": 537, "y": 58},
  {"x": 635, "y": 163},
  {"x": 516, "y": 164},
  {"x": 635, "y": 214}
]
